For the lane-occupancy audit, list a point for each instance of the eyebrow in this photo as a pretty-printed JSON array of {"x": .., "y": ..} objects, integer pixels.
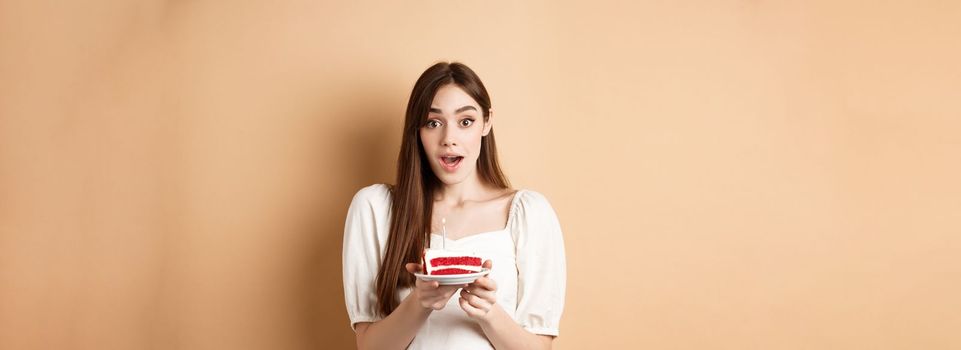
[{"x": 465, "y": 108}]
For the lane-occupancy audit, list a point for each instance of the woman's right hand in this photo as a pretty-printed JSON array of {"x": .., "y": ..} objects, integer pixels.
[{"x": 430, "y": 294}]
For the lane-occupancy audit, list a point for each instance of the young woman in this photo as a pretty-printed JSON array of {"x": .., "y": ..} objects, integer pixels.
[{"x": 448, "y": 169}]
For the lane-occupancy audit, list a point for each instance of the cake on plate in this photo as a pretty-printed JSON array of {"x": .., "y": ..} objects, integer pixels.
[{"x": 450, "y": 262}]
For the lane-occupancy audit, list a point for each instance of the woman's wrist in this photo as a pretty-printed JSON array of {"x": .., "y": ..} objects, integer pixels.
[
  {"x": 504, "y": 333},
  {"x": 413, "y": 298}
]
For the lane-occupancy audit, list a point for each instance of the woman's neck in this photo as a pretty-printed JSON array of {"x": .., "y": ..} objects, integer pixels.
[{"x": 472, "y": 189}]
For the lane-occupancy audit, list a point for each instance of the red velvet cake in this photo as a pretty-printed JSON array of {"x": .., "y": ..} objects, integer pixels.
[{"x": 447, "y": 262}]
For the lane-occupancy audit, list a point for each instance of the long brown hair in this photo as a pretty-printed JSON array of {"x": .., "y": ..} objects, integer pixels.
[{"x": 413, "y": 194}]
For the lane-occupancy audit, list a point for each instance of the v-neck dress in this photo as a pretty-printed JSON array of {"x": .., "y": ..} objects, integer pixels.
[{"x": 529, "y": 268}]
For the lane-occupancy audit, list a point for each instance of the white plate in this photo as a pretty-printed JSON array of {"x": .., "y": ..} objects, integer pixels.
[{"x": 445, "y": 280}]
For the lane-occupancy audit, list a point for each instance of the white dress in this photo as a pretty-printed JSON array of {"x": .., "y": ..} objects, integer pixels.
[{"x": 529, "y": 268}]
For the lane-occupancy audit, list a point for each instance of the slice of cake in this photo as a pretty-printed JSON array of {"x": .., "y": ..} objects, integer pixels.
[{"x": 449, "y": 262}]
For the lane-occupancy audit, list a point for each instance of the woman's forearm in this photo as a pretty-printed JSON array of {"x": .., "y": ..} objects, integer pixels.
[
  {"x": 505, "y": 334},
  {"x": 395, "y": 331}
]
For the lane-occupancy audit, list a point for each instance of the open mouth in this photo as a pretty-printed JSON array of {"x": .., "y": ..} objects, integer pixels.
[{"x": 451, "y": 162}]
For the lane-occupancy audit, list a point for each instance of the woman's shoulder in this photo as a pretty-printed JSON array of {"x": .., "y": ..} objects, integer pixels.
[
  {"x": 532, "y": 217},
  {"x": 528, "y": 197},
  {"x": 529, "y": 202},
  {"x": 376, "y": 194}
]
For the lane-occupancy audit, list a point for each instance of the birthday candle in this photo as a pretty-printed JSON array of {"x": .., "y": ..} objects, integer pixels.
[{"x": 443, "y": 224}]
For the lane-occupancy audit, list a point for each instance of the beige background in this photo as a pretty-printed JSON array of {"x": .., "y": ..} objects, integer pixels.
[{"x": 175, "y": 174}]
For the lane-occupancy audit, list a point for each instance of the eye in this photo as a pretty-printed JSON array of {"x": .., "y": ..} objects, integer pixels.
[
  {"x": 466, "y": 122},
  {"x": 433, "y": 123}
]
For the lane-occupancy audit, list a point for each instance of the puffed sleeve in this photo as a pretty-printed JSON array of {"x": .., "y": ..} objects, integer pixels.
[
  {"x": 365, "y": 234},
  {"x": 541, "y": 264}
]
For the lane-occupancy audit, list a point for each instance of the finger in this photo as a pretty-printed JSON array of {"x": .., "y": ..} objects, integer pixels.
[
  {"x": 437, "y": 294},
  {"x": 452, "y": 286},
  {"x": 413, "y": 267},
  {"x": 470, "y": 310},
  {"x": 476, "y": 301},
  {"x": 485, "y": 283},
  {"x": 440, "y": 297},
  {"x": 490, "y": 296},
  {"x": 426, "y": 285},
  {"x": 447, "y": 290},
  {"x": 488, "y": 264}
]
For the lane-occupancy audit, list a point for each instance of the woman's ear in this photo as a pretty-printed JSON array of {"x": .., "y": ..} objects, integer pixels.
[{"x": 489, "y": 123}]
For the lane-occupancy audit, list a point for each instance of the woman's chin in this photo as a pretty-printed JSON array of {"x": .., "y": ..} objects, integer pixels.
[{"x": 452, "y": 179}]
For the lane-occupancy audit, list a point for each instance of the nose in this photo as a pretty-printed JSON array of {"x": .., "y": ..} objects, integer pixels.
[{"x": 448, "y": 140}]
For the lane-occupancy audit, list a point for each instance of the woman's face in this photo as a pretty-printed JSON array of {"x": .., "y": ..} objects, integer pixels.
[{"x": 452, "y": 134}]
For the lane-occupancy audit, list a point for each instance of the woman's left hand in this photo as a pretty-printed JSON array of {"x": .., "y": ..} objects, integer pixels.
[{"x": 479, "y": 297}]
